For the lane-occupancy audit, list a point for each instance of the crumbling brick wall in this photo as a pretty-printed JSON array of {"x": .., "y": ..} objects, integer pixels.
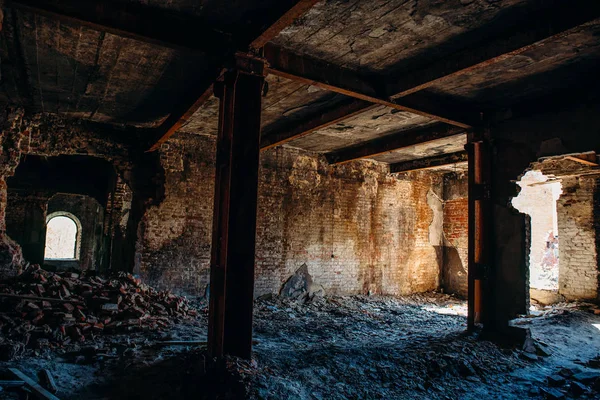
[
  {"x": 578, "y": 275},
  {"x": 50, "y": 135},
  {"x": 25, "y": 222},
  {"x": 456, "y": 234},
  {"x": 174, "y": 247},
  {"x": 357, "y": 228}
]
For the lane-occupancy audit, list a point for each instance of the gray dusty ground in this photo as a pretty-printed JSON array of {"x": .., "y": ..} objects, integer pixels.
[{"x": 336, "y": 348}]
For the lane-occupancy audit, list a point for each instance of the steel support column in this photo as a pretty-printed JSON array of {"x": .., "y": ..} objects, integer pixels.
[
  {"x": 234, "y": 220},
  {"x": 479, "y": 225}
]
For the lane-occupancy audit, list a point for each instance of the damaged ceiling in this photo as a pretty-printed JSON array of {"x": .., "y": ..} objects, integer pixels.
[{"x": 356, "y": 72}]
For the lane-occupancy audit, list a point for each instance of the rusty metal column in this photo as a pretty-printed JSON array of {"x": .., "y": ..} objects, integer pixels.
[
  {"x": 234, "y": 218},
  {"x": 479, "y": 269}
]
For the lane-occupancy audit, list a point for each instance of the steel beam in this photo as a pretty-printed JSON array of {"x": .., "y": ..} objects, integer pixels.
[
  {"x": 480, "y": 287},
  {"x": 341, "y": 80},
  {"x": 234, "y": 220}
]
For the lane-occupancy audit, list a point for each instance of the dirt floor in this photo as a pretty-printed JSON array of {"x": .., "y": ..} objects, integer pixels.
[{"x": 354, "y": 347}]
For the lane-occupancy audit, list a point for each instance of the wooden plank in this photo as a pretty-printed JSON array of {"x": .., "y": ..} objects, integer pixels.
[
  {"x": 35, "y": 387},
  {"x": 36, "y": 298},
  {"x": 46, "y": 379},
  {"x": 288, "y": 18},
  {"x": 11, "y": 384},
  {"x": 582, "y": 161},
  {"x": 347, "y": 82},
  {"x": 429, "y": 162},
  {"x": 278, "y": 134},
  {"x": 393, "y": 142},
  {"x": 553, "y": 21}
]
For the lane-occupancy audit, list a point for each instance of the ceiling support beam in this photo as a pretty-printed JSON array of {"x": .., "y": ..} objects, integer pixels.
[
  {"x": 341, "y": 80},
  {"x": 394, "y": 142},
  {"x": 549, "y": 24},
  {"x": 180, "y": 116},
  {"x": 429, "y": 162},
  {"x": 183, "y": 112},
  {"x": 234, "y": 217},
  {"x": 288, "y": 18},
  {"x": 278, "y": 134}
]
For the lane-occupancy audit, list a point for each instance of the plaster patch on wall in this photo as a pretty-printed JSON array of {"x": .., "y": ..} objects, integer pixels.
[
  {"x": 436, "y": 228},
  {"x": 305, "y": 173}
]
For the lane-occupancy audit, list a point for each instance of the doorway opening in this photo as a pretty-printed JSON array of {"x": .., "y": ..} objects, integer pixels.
[
  {"x": 63, "y": 237},
  {"x": 538, "y": 199}
]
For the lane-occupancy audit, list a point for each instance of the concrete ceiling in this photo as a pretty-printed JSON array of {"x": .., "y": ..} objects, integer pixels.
[{"x": 49, "y": 65}]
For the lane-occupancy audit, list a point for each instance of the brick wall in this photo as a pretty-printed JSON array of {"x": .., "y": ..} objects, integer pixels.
[
  {"x": 456, "y": 229},
  {"x": 174, "y": 247},
  {"x": 578, "y": 277},
  {"x": 539, "y": 202},
  {"x": 357, "y": 228}
]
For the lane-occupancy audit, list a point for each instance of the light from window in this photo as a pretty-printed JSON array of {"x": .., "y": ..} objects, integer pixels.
[{"x": 61, "y": 238}]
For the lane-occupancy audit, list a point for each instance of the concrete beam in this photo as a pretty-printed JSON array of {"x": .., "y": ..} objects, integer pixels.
[
  {"x": 393, "y": 142},
  {"x": 429, "y": 162}
]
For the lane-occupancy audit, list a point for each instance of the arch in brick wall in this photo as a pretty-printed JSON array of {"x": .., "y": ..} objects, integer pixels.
[{"x": 63, "y": 236}]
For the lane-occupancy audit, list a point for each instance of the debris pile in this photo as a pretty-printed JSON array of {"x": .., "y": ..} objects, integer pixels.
[
  {"x": 44, "y": 309},
  {"x": 571, "y": 382}
]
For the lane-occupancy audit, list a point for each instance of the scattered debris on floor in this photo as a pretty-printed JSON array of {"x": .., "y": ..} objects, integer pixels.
[
  {"x": 331, "y": 348},
  {"x": 407, "y": 347},
  {"x": 41, "y": 309}
]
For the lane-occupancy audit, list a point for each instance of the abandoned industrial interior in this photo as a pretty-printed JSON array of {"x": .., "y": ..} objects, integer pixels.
[{"x": 299, "y": 199}]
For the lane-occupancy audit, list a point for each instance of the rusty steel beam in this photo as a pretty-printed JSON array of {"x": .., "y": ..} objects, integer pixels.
[
  {"x": 553, "y": 20},
  {"x": 234, "y": 215},
  {"x": 183, "y": 112},
  {"x": 341, "y": 80},
  {"x": 429, "y": 162},
  {"x": 178, "y": 118},
  {"x": 393, "y": 142},
  {"x": 288, "y": 18},
  {"x": 278, "y": 134}
]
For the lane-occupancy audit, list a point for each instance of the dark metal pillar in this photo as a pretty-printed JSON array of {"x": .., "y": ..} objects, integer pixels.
[
  {"x": 480, "y": 263},
  {"x": 234, "y": 220}
]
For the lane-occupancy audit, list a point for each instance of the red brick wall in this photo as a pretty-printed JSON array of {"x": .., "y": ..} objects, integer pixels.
[
  {"x": 375, "y": 226},
  {"x": 456, "y": 240}
]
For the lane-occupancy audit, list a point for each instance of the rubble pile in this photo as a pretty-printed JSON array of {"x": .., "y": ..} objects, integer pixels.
[{"x": 44, "y": 309}]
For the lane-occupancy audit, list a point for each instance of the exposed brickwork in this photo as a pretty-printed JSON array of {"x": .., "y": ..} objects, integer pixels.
[
  {"x": 174, "y": 250},
  {"x": 539, "y": 202},
  {"x": 375, "y": 226},
  {"x": 578, "y": 277},
  {"x": 49, "y": 135},
  {"x": 357, "y": 228},
  {"x": 456, "y": 230}
]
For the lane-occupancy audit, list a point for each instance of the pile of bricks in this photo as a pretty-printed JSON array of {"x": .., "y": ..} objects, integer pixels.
[{"x": 41, "y": 308}]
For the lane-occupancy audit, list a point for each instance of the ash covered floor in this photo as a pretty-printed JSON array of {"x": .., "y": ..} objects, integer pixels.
[
  {"x": 415, "y": 347},
  {"x": 353, "y": 347}
]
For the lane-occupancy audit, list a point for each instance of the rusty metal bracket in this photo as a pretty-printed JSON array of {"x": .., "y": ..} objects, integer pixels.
[{"x": 251, "y": 64}]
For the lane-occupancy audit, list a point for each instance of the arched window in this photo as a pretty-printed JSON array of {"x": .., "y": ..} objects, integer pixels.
[{"x": 63, "y": 236}]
